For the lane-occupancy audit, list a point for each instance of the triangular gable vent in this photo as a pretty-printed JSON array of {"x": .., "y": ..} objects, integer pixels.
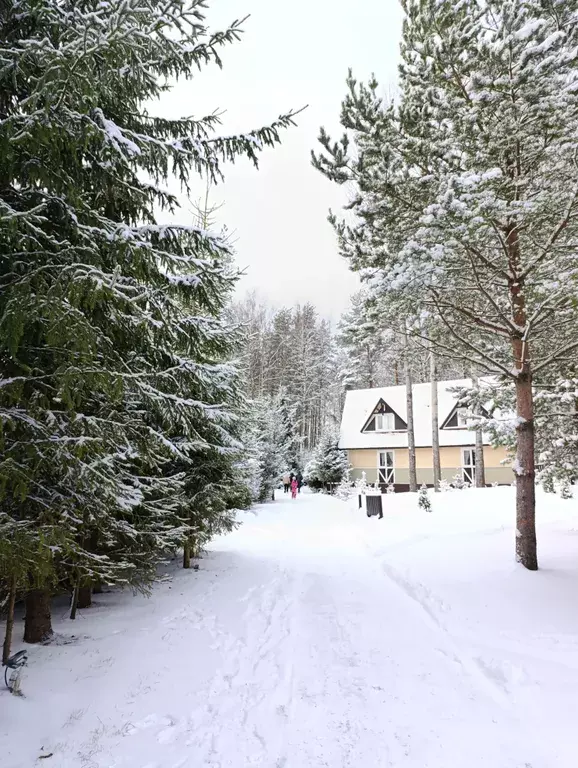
[{"x": 384, "y": 419}]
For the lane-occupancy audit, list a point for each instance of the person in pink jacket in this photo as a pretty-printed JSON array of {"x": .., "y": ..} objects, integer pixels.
[{"x": 294, "y": 488}]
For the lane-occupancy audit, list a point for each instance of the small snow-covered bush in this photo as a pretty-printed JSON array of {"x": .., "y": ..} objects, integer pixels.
[
  {"x": 361, "y": 484},
  {"x": 391, "y": 488},
  {"x": 423, "y": 501},
  {"x": 444, "y": 485},
  {"x": 345, "y": 490},
  {"x": 458, "y": 481},
  {"x": 548, "y": 484},
  {"x": 566, "y": 491}
]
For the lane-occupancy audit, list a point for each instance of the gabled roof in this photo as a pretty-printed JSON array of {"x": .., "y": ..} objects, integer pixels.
[{"x": 360, "y": 404}]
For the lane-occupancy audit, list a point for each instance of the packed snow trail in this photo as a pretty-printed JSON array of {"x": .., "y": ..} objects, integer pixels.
[{"x": 292, "y": 647}]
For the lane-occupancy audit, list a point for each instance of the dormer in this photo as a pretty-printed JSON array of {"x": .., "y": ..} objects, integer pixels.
[
  {"x": 459, "y": 418},
  {"x": 384, "y": 419}
]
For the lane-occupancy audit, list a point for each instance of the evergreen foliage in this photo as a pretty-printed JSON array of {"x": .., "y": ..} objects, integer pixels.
[
  {"x": 118, "y": 407},
  {"x": 466, "y": 195},
  {"x": 328, "y": 465},
  {"x": 423, "y": 501},
  {"x": 271, "y": 445},
  {"x": 291, "y": 353}
]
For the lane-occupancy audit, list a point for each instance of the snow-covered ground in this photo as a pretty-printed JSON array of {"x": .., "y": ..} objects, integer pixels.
[{"x": 314, "y": 636}]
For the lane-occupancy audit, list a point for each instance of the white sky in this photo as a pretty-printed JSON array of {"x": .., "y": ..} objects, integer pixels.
[{"x": 290, "y": 55}]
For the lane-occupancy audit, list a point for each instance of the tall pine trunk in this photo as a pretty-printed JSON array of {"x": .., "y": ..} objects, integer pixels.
[
  {"x": 435, "y": 426},
  {"x": 9, "y": 620},
  {"x": 526, "y": 549},
  {"x": 410, "y": 427},
  {"x": 38, "y": 622},
  {"x": 480, "y": 471}
]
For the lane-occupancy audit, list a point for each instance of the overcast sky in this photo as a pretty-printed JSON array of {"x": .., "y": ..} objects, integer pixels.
[{"x": 290, "y": 55}]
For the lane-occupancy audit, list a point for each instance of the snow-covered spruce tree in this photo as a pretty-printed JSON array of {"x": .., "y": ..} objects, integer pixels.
[
  {"x": 364, "y": 346},
  {"x": 110, "y": 373},
  {"x": 328, "y": 464},
  {"x": 270, "y": 444},
  {"x": 469, "y": 201},
  {"x": 345, "y": 490}
]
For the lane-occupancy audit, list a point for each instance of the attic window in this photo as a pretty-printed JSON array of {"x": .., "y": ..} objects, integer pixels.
[
  {"x": 384, "y": 422},
  {"x": 459, "y": 418},
  {"x": 462, "y": 414},
  {"x": 384, "y": 419}
]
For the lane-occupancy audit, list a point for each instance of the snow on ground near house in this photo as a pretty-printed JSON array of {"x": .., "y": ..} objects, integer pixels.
[{"x": 314, "y": 636}]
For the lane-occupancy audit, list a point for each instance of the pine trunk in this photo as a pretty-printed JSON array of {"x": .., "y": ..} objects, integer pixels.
[
  {"x": 97, "y": 588},
  {"x": 9, "y": 621},
  {"x": 410, "y": 428},
  {"x": 84, "y": 597},
  {"x": 187, "y": 555},
  {"x": 480, "y": 473},
  {"x": 435, "y": 430},
  {"x": 526, "y": 552},
  {"x": 38, "y": 622},
  {"x": 74, "y": 602}
]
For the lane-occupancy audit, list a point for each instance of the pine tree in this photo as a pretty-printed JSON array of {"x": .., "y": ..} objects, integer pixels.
[
  {"x": 467, "y": 193},
  {"x": 328, "y": 465},
  {"x": 113, "y": 381},
  {"x": 270, "y": 445}
]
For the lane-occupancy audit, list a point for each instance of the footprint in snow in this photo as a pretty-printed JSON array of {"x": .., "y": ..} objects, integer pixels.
[{"x": 149, "y": 722}]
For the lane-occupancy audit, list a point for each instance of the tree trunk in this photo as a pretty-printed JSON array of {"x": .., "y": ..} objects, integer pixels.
[
  {"x": 74, "y": 602},
  {"x": 410, "y": 429},
  {"x": 524, "y": 468},
  {"x": 187, "y": 555},
  {"x": 435, "y": 427},
  {"x": 38, "y": 623},
  {"x": 9, "y": 620},
  {"x": 84, "y": 597},
  {"x": 97, "y": 588},
  {"x": 480, "y": 470}
]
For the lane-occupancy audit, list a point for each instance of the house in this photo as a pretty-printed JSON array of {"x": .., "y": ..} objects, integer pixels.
[{"x": 374, "y": 434}]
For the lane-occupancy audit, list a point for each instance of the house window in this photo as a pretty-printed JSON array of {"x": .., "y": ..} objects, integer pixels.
[
  {"x": 385, "y": 468},
  {"x": 462, "y": 417},
  {"x": 384, "y": 422},
  {"x": 469, "y": 465}
]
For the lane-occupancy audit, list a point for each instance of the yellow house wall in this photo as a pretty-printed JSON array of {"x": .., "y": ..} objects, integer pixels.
[{"x": 450, "y": 458}]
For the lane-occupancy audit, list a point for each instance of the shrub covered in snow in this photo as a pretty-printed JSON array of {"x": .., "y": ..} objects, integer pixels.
[
  {"x": 423, "y": 501},
  {"x": 346, "y": 489}
]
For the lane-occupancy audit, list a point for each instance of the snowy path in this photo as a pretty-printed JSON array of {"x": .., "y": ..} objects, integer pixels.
[{"x": 293, "y": 647}]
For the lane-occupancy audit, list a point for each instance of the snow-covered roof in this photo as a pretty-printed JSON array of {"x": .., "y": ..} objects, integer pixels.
[{"x": 360, "y": 404}]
